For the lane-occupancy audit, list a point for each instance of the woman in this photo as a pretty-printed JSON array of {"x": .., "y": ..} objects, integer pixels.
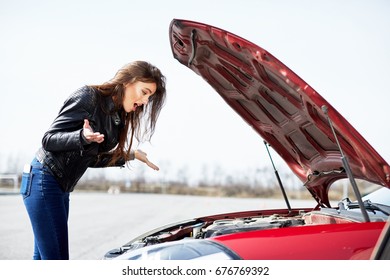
[{"x": 94, "y": 128}]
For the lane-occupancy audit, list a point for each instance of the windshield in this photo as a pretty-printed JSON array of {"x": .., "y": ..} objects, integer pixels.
[
  {"x": 342, "y": 189},
  {"x": 380, "y": 196}
]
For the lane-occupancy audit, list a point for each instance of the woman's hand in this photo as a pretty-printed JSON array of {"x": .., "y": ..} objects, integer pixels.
[
  {"x": 141, "y": 156},
  {"x": 90, "y": 135}
]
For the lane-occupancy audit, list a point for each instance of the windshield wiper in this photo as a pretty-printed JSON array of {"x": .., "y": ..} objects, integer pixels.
[
  {"x": 370, "y": 206},
  {"x": 347, "y": 168}
]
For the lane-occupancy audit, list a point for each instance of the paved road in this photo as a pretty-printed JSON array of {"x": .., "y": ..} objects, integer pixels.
[{"x": 99, "y": 222}]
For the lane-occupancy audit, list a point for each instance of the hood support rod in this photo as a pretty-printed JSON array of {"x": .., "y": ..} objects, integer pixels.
[
  {"x": 347, "y": 168},
  {"x": 278, "y": 177}
]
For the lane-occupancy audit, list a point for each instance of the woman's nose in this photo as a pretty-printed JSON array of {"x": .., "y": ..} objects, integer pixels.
[{"x": 145, "y": 100}]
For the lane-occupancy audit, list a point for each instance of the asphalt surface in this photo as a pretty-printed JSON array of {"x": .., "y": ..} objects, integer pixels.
[{"x": 99, "y": 222}]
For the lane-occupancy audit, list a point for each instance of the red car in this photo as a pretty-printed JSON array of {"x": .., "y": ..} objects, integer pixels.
[{"x": 316, "y": 142}]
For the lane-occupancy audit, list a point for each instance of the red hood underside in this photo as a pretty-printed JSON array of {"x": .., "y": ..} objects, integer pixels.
[{"x": 282, "y": 108}]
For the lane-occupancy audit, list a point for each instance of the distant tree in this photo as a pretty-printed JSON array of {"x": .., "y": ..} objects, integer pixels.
[
  {"x": 218, "y": 175},
  {"x": 11, "y": 163},
  {"x": 182, "y": 175},
  {"x": 204, "y": 176}
]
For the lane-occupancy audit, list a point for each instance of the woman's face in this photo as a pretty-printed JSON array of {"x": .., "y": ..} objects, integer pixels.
[{"x": 137, "y": 94}]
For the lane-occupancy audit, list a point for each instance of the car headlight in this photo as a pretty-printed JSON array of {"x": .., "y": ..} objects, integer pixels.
[{"x": 187, "y": 249}]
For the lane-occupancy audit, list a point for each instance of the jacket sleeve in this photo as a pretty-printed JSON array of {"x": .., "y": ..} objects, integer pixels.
[
  {"x": 104, "y": 159},
  {"x": 65, "y": 132}
]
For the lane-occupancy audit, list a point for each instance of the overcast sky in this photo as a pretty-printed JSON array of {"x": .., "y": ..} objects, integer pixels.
[{"x": 50, "y": 48}]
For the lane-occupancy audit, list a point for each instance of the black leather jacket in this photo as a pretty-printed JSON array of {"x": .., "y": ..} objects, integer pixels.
[{"x": 64, "y": 149}]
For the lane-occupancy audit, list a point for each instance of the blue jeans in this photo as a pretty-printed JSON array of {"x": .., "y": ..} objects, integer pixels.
[{"x": 48, "y": 208}]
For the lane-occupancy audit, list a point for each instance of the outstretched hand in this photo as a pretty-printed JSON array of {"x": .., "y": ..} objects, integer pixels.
[
  {"x": 90, "y": 135},
  {"x": 142, "y": 156}
]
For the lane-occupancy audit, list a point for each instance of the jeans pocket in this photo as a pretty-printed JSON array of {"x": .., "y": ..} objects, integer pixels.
[{"x": 25, "y": 185}]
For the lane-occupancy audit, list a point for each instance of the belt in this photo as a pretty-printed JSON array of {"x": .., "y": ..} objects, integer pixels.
[{"x": 49, "y": 162}]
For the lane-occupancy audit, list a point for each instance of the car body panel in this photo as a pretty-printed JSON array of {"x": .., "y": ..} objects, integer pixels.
[
  {"x": 319, "y": 242},
  {"x": 282, "y": 108},
  {"x": 382, "y": 247}
]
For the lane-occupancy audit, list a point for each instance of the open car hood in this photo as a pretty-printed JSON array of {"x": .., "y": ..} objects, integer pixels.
[{"x": 282, "y": 108}]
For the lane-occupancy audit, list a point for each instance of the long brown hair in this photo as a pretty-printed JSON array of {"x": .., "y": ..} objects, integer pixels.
[{"x": 142, "y": 121}]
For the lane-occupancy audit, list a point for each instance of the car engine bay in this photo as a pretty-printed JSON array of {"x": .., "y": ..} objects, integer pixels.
[{"x": 213, "y": 226}]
